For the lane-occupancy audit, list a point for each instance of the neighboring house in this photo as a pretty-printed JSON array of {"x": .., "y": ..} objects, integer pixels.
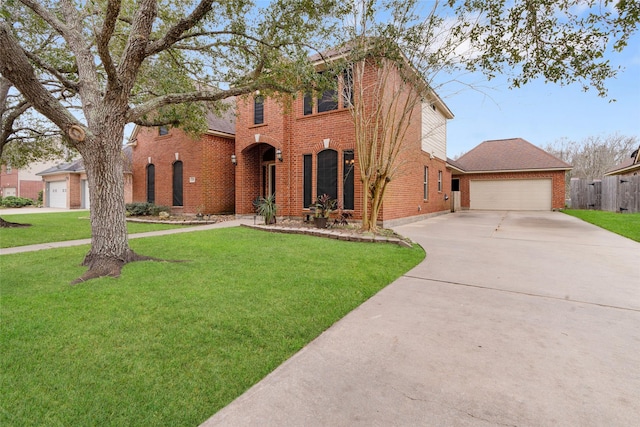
[
  {"x": 66, "y": 185},
  {"x": 630, "y": 167},
  {"x": 189, "y": 174},
  {"x": 307, "y": 148},
  {"x": 509, "y": 174},
  {"x": 22, "y": 182}
]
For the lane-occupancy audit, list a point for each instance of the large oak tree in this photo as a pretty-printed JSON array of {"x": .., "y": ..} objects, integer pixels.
[{"x": 91, "y": 67}]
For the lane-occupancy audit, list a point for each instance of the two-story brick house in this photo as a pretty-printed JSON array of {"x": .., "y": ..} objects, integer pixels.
[
  {"x": 297, "y": 148},
  {"x": 306, "y": 148}
]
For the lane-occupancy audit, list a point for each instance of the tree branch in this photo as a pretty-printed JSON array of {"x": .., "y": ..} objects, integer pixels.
[
  {"x": 134, "y": 51},
  {"x": 136, "y": 114},
  {"x": 48, "y": 16},
  {"x": 108, "y": 27},
  {"x": 62, "y": 79},
  {"x": 15, "y": 66},
  {"x": 175, "y": 32}
]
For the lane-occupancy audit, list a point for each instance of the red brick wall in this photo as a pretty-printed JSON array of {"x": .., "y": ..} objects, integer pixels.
[
  {"x": 557, "y": 179},
  {"x": 218, "y": 175},
  {"x": 206, "y": 159},
  {"x": 30, "y": 189}
]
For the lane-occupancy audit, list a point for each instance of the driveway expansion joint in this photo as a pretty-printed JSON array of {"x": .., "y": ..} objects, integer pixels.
[{"x": 448, "y": 282}]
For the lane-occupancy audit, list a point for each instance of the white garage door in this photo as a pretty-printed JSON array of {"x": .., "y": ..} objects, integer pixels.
[
  {"x": 57, "y": 194},
  {"x": 512, "y": 195}
]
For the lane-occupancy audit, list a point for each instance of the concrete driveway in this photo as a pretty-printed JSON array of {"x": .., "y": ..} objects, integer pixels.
[{"x": 514, "y": 319}]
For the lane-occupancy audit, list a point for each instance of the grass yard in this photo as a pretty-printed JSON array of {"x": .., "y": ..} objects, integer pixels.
[
  {"x": 57, "y": 227},
  {"x": 172, "y": 343},
  {"x": 627, "y": 225}
]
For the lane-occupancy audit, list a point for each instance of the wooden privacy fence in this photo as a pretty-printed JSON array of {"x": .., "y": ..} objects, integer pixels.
[{"x": 612, "y": 193}]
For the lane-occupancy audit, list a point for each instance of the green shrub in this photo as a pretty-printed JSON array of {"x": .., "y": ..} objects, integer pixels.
[
  {"x": 15, "y": 202},
  {"x": 145, "y": 209}
]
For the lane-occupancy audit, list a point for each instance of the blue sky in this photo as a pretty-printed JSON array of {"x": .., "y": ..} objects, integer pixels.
[{"x": 543, "y": 113}]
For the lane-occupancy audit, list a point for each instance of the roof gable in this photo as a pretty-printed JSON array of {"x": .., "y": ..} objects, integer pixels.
[{"x": 508, "y": 155}]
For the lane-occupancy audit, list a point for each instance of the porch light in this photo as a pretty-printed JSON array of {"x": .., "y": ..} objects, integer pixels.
[
  {"x": 234, "y": 159},
  {"x": 279, "y": 154}
]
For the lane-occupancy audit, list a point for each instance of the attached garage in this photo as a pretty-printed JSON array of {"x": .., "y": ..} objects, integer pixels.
[
  {"x": 512, "y": 195},
  {"x": 57, "y": 194}
]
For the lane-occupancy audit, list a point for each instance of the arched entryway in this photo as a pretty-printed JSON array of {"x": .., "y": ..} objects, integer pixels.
[{"x": 257, "y": 165}]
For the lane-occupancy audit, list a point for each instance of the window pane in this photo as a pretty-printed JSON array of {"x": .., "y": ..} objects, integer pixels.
[
  {"x": 177, "y": 183},
  {"x": 308, "y": 104},
  {"x": 329, "y": 101},
  {"x": 347, "y": 179},
  {"x": 163, "y": 130},
  {"x": 258, "y": 110},
  {"x": 151, "y": 184},
  {"x": 327, "y": 182},
  {"x": 439, "y": 180},
  {"x": 426, "y": 183},
  {"x": 307, "y": 181}
]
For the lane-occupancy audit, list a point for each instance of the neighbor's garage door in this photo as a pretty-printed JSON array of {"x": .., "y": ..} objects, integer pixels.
[
  {"x": 57, "y": 194},
  {"x": 512, "y": 195}
]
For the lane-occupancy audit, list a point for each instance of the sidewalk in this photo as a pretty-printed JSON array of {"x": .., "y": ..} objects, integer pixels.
[{"x": 52, "y": 245}]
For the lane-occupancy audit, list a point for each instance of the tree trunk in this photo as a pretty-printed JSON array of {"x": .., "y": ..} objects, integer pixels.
[
  {"x": 103, "y": 162},
  {"x": 365, "y": 203}
]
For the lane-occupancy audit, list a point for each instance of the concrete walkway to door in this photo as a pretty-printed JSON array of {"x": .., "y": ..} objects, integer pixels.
[{"x": 518, "y": 319}]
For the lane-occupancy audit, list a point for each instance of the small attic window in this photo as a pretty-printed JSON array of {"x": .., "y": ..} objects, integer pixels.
[
  {"x": 433, "y": 106},
  {"x": 163, "y": 130}
]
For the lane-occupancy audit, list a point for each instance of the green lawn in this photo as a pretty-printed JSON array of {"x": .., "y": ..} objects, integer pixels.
[
  {"x": 627, "y": 225},
  {"x": 172, "y": 343},
  {"x": 57, "y": 227}
]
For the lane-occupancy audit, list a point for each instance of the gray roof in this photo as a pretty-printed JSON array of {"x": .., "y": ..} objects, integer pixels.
[
  {"x": 226, "y": 121},
  {"x": 508, "y": 155},
  {"x": 76, "y": 166}
]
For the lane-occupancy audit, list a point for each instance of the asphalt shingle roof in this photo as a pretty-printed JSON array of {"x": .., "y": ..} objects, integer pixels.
[
  {"x": 508, "y": 154},
  {"x": 226, "y": 122}
]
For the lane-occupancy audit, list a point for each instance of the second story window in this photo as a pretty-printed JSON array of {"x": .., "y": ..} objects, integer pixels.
[
  {"x": 308, "y": 104},
  {"x": 329, "y": 99},
  {"x": 258, "y": 110}
]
